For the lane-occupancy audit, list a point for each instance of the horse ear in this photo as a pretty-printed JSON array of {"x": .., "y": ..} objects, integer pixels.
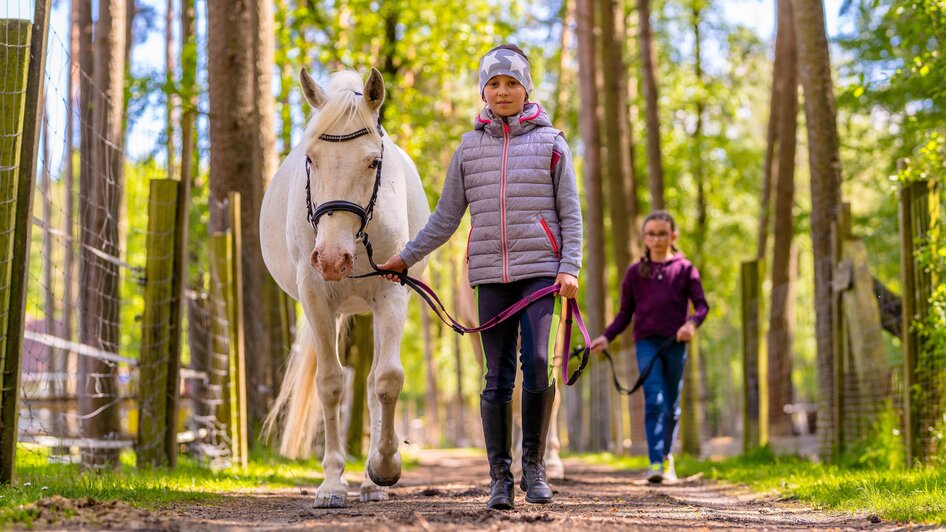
[
  {"x": 311, "y": 90},
  {"x": 374, "y": 90}
]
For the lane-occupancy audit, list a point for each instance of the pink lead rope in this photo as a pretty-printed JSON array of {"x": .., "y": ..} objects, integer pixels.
[{"x": 430, "y": 297}]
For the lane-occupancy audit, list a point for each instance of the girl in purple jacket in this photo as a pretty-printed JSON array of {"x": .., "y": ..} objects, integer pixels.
[
  {"x": 657, "y": 292},
  {"x": 514, "y": 173}
]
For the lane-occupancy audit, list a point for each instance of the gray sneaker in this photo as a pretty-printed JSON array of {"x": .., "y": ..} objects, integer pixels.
[{"x": 655, "y": 474}]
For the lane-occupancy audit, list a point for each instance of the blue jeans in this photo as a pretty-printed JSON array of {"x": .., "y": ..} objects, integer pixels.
[{"x": 661, "y": 394}]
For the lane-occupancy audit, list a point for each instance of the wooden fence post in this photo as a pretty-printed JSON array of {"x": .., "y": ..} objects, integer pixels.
[
  {"x": 840, "y": 228},
  {"x": 176, "y": 334},
  {"x": 219, "y": 365},
  {"x": 238, "y": 409},
  {"x": 15, "y": 54},
  {"x": 19, "y": 266},
  {"x": 155, "y": 369},
  {"x": 754, "y": 382},
  {"x": 915, "y": 223}
]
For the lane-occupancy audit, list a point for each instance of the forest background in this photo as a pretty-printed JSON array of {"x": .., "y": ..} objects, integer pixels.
[{"x": 697, "y": 140}]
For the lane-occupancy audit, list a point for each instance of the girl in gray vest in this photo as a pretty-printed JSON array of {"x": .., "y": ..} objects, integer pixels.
[{"x": 514, "y": 172}]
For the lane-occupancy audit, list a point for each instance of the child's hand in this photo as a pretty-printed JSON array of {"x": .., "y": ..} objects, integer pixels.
[
  {"x": 685, "y": 333},
  {"x": 395, "y": 263},
  {"x": 599, "y": 344},
  {"x": 568, "y": 285}
]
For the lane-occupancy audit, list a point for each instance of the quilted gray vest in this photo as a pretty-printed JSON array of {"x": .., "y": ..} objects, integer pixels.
[{"x": 508, "y": 182}]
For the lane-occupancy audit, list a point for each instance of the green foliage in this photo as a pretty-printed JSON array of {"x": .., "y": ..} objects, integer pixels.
[
  {"x": 190, "y": 482},
  {"x": 884, "y": 448},
  {"x": 158, "y": 488},
  {"x": 916, "y": 495}
]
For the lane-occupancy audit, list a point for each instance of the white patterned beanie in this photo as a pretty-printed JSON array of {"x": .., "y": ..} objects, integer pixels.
[{"x": 500, "y": 61}]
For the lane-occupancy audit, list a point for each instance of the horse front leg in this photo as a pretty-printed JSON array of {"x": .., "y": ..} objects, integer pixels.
[
  {"x": 386, "y": 380},
  {"x": 329, "y": 378},
  {"x": 369, "y": 490}
]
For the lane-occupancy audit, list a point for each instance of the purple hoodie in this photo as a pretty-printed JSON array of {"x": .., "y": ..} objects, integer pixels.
[{"x": 661, "y": 300}]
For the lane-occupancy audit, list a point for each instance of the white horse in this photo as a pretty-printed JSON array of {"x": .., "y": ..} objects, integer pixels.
[{"x": 313, "y": 263}]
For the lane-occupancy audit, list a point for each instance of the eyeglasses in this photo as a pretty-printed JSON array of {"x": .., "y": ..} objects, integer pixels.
[{"x": 661, "y": 235}]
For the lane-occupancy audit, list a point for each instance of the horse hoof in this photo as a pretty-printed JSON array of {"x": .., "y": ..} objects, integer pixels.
[
  {"x": 373, "y": 494},
  {"x": 556, "y": 471},
  {"x": 331, "y": 500},
  {"x": 382, "y": 481}
]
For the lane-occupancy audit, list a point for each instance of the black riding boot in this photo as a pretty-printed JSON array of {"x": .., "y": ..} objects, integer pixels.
[
  {"x": 497, "y": 430},
  {"x": 536, "y": 412}
]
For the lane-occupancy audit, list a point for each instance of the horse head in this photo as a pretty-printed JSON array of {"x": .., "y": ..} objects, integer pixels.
[{"x": 343, "y": 143}]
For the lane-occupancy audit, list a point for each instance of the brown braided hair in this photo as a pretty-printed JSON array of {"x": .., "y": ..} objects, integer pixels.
[{"x": 646, "y": 262}]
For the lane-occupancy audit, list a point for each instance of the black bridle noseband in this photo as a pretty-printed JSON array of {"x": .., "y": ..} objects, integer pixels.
[{"x": 329, "y": 207}]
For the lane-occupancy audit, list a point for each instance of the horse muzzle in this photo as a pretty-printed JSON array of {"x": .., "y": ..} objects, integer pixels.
[{"x": 332, "y": 266}]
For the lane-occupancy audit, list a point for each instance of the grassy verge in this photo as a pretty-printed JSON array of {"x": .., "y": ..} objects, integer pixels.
[
  {"x": 154, "y": 489},
  {"x": 914, "y": 495}
]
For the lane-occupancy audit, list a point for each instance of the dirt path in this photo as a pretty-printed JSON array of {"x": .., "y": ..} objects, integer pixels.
[{"x": 447, "y": 491}]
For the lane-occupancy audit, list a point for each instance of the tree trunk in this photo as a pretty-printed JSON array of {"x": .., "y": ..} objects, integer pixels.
[
  {"x": 600, "y": 433},
  {"x": 198, "y": 308},
  {"x": 635, "y": 402},
  {"x": 360, "y": 347},
  {"x": 98, "y": 387},
  {"x": 780, "y": 318},
  {"x": 190, "y": 155},
  {"x": 431, "y": 415},
  {"x": 49, "y": 303},
  {"x": 236, "y": 163},
  {"x": 649, "y": 75},
  {"x": 287, "y": 71},
  {"x": 616, "y": 123},
  {"x": 825, "y": 167},
  {"x": 170, "y": 97},
  {"x": 388, "y": 60},
  {"x": 276, "y": 325},
  {"x": 459, "y": 419},
  {"x": 567, "y": 37},
  {"x": 61, "y": 363},
  {"x": 768, "y": 167},
  {"x": 692, "y": 416},
  {"x": 619, "y": 175}
]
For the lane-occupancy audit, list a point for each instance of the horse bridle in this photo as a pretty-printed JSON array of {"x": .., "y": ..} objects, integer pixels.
[{"x": 329, "y": 207}]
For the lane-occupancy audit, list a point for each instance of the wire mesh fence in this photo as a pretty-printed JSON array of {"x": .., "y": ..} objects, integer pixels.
[{"x": 95, "y": 302}]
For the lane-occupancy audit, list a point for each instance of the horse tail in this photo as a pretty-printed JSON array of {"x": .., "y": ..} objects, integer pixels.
[{"x": 297, "y": 405}]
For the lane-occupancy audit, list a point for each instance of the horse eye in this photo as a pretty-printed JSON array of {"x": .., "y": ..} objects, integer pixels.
[{"x": 375, "y": 163}]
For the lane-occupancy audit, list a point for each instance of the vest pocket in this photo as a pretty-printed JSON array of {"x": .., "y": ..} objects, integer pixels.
[{"x": 548, "y": 233}]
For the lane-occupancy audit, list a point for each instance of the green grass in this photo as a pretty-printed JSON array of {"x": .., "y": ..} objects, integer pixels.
[
  {"x": 906, "y": 495},
  {"x": 154, "y": 489}
]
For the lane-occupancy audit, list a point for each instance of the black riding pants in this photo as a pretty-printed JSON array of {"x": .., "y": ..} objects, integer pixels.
[{"x": 536, "y": 325}]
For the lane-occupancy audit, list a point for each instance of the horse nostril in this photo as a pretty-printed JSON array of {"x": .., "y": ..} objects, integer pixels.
[
  {"x": 314, "y": 259},
  {"x": 346, "y": 262}
]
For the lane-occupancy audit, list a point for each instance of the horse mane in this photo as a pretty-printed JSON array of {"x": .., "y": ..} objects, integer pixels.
[{"x": 344, "y": 105}]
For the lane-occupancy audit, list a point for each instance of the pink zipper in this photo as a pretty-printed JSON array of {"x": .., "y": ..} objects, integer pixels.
[
  {"x": 469, "y": 238},
  {"x": 548, "y": 232},
  {"x": 502, "y": 200}
]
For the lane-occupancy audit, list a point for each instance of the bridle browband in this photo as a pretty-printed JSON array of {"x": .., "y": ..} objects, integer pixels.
[{"x": 329, "y": 207}]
